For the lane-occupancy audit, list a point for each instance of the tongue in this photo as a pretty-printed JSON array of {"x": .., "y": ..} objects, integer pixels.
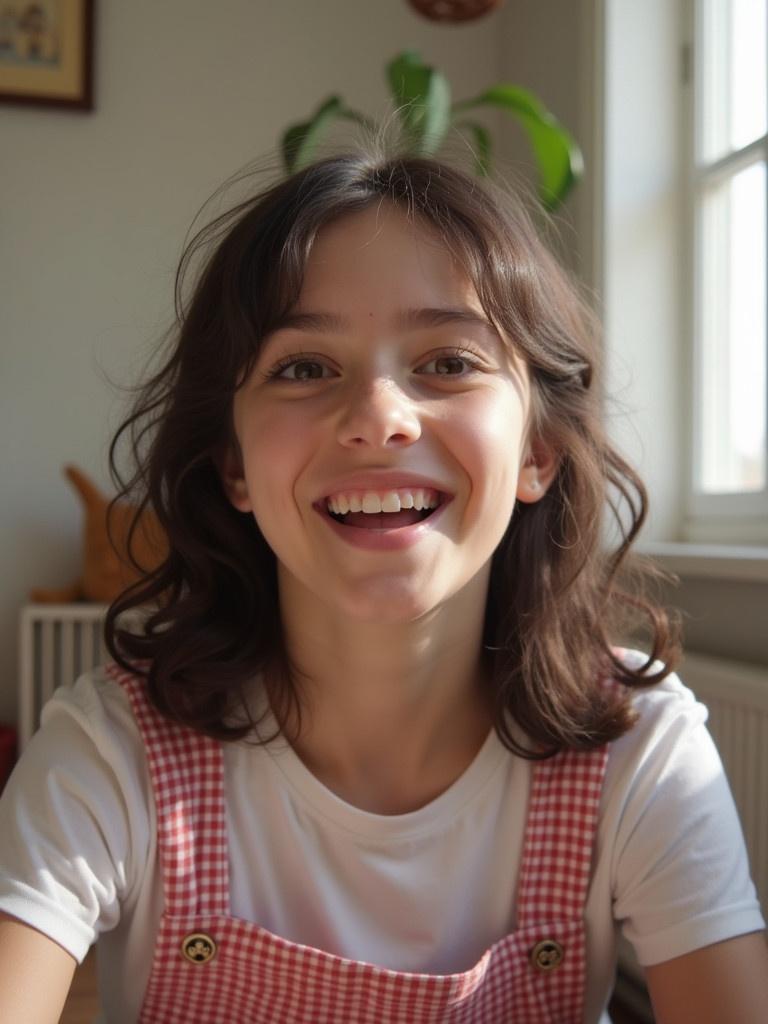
[{"x": 383, "y": 520}]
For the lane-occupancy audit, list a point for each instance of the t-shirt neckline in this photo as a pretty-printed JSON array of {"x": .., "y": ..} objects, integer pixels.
[{"x": 442, "y": 809}]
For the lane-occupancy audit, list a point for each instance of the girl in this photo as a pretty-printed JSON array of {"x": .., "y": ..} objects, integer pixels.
[{"x": 373, "y": 757}]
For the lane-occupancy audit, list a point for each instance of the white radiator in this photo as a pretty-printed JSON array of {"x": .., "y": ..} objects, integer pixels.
[{"x": 57, "y": 643}]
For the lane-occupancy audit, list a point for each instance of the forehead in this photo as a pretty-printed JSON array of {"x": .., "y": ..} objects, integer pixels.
[{"x": 380, "y": 248}]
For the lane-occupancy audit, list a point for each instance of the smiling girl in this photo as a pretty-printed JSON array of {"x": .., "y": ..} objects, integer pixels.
[{"x": 373, "y": 756}]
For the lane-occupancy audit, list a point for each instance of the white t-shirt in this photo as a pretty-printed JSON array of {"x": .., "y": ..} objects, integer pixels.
[{"x": 425, "y": 891}]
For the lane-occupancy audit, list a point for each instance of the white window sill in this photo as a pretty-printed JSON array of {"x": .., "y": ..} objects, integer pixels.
[{"x": 710, "y": 561}]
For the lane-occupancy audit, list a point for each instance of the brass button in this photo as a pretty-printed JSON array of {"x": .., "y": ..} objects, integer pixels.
[
  {"x": 547, "y": 955},
  {"x": 198, "y": 948}
]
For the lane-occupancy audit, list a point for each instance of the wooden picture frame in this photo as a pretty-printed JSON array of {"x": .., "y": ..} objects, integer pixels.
[{"x": 46, "y": 53}]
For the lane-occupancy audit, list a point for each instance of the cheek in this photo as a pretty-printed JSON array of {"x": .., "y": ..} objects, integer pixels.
[
  {"x": 491, "y": 445},
  {"x": 275, "y": 450}
]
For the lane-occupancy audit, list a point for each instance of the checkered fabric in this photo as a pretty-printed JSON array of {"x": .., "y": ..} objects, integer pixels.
[{"x": 258, "y": 977}]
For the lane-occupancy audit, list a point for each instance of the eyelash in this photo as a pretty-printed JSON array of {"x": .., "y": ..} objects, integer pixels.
[{"x": 467, "y": 355}]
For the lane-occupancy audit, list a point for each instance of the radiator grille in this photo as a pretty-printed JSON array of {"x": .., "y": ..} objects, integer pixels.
[{"x": 58, "y": 643}]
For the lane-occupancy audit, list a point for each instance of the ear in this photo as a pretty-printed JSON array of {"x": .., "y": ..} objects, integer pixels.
[
  {"x": 230, "y": 466},
  {"x": 539, "y": 469}
]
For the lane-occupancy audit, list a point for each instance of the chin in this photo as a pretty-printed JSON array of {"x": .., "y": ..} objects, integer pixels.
[{"x": 381, "y": 603}]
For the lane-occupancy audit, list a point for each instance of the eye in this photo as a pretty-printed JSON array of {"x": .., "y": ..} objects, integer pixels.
[
  {"x": 298, "y": 369},
  {"x": 449, "y": 365},
  {"x": 457, "y": 363}
]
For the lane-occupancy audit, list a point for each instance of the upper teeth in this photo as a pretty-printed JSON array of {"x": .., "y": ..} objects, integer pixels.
[{"x": 382, "y": 501}]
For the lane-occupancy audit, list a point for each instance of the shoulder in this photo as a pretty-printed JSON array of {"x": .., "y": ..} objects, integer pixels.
[
  {"x": 657, "y": 770},
  {"x": 667, "y": 711},
  {"x": 98, "y": 709},
  {"x": 87, "y": 761},
  {"x": 88, "y": 732},
  {"x": 94, "y": 692},
  {"x": 669, "y": 743},
  {"x": 77, "y": 821}
]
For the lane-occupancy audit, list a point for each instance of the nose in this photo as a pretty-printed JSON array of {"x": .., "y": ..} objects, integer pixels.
[{"x": 379, "y": 415}]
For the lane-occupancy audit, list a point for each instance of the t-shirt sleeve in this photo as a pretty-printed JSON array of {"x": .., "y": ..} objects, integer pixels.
[
  {"x": 680, "y": 870},
  {"x": 75, "y": 817}
]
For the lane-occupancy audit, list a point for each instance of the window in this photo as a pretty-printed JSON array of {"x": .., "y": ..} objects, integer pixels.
[{"x": 728, "y": 226}]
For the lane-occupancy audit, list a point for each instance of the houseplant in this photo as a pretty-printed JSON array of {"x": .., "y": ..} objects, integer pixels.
[{"x": 422, "y": 99}]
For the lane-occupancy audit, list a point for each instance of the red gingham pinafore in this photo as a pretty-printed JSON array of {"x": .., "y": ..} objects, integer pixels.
[{"x": 213, "y": 968}]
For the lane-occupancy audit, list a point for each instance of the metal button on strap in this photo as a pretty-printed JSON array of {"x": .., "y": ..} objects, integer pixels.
[
  {"x": 198, "y": 948},
  {"x": 547, "y": 955}
]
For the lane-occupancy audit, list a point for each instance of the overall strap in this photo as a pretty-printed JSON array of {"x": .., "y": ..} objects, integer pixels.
[
  {"x": 560, "y": 835},
  {"x": 187, "y": 773}
]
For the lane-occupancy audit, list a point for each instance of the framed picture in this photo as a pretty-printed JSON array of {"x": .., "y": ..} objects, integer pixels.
[{"x": 46, "y": 53}]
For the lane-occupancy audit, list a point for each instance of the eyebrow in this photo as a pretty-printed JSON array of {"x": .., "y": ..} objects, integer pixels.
[{"x": 405, "y": 319}]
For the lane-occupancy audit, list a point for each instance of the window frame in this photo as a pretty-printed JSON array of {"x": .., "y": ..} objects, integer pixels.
[{"x": 731, "y": 517}]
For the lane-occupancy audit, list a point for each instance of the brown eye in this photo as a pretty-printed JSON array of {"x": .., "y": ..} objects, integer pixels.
[
  {"x": 306, "y": 370},
  {"x": 449, "y": 365},
  {"x": 298, "y": 370},
  {"x": 453, "y": 362}
]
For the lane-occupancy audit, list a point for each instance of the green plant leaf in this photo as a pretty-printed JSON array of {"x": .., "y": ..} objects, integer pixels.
[
  {"x": 558, "y": 157},
  {"x": 300, "y": 140},
  {"x": 291, "y": 144},
  {"x": 422, "y": 97},
  {"x": 482, "y": 145}
]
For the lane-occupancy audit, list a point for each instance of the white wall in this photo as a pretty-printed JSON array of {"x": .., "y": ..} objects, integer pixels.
[
  {"x": 611, "y": 70},
  {"x": 642, "y": 276},
  {"x": 551, "y": 47},
  {"x": 94, "y": 208}
]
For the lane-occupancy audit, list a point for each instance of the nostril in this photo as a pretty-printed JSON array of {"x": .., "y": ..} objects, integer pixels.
[
  {"x": 384, "y": 441},
  {"x": 380, "y": 419}
]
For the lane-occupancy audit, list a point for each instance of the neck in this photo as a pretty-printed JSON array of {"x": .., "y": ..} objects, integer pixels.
[{"x": 391, "y": 714}]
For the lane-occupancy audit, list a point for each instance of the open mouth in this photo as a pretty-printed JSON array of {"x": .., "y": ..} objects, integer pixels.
[{"x": 396, "y": 518}]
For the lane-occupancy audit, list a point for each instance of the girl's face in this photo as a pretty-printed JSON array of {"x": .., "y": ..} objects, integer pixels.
[{"x": 386, "y": 380}]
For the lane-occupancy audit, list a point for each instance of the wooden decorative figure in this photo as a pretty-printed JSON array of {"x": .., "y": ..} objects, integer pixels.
[{"x": 107, "y": 570}]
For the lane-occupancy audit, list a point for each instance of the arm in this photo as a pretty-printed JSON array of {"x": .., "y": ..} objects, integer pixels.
[
  {"x": 726, "y": 983},
  {"x": 74, "y": 834},
  {"x": 35, "y": 974}
]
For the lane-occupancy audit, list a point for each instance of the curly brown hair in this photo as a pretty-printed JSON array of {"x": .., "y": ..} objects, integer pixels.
[{"x": 214, "y": 622}]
